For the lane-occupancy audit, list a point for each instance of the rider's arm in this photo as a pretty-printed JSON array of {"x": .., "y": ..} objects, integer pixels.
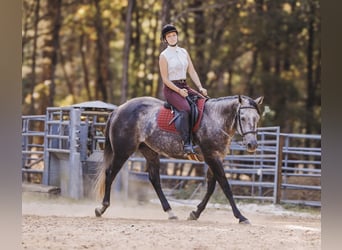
[
  {"x": 164, "y": 74},
  {"x": 194, "y": 76}
]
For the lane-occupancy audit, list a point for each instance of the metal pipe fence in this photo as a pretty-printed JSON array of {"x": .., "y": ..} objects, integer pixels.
[
  {"x": 32, "y": 145},
  {"x": 301, "y": 169},
  {"x": 252, "y": 175},
  {"x": 283, "y": 165}
]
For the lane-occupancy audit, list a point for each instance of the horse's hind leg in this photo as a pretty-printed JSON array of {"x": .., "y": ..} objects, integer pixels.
[
  {"x": 211, "y": 181},
  {"x": 111, "y": 172},
  {"x": 153, "y": 165}
]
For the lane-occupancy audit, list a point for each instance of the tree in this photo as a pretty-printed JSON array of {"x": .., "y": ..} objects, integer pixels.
[
  {"x": 101, "y": 62},
  {"x": 128, "y": 34},
  {"x": 108, "y": 50},
  {"x": 51, "y": 47}
]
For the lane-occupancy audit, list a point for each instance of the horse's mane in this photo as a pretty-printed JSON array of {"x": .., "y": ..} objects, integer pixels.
[{"x": 222, "y": 100}]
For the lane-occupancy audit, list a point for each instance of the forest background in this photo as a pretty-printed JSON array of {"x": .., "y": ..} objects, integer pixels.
[{"x": 84, "y": 50}]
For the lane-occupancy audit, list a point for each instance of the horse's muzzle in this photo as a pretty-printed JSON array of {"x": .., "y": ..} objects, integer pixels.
[{"x": 252, "y": 146}]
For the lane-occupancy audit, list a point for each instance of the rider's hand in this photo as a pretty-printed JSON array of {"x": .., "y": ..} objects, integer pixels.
[
  {"x": 203, "y": 91},
  {"x": 183, "y": 92}
]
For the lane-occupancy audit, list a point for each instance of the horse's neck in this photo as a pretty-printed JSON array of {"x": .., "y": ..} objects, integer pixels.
[{"x": 223, "y": 112}]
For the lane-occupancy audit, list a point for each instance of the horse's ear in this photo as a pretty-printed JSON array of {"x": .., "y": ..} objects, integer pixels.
[
  {"x": 259, "y": 100},
  {"x": 240, "y": 99}
]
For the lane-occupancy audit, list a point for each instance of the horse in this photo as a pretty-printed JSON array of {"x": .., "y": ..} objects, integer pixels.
[{"x": 132, "y": 127}]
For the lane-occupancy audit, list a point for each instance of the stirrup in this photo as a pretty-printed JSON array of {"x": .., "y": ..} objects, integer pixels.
[{"x": 188, "y": 149}]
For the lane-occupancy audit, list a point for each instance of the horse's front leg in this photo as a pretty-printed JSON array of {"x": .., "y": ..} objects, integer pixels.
[
  {"x": 217, "y": 168},
  {"x": 211, "y": 182}
]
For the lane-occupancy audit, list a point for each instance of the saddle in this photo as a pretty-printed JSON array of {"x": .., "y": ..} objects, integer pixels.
[{"x": 168, "y": 114}]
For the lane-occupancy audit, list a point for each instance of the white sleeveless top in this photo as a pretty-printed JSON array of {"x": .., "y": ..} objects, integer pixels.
[{"x": 177, "y": 62}]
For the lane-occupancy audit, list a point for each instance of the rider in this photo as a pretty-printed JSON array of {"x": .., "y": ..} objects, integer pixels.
[{"x": 174, "y": 64}]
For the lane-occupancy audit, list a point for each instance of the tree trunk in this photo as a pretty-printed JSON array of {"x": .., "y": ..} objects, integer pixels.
[
  {"x": 250, "y": 86},
  {"x": 66, "y": 77},
  {"x": 85, "y": 66},
  {"x": 165, "y": 19},
  {"x": 200, "y": 39},
  {"x": 34, "y": 52},
  {"x": 310, "y": 83},
  {"x": 128, "y": 34},
  {"x": 101, "y": 72},
  {"x": 155, "y": 61},
  {"x": 51, "y": 47}
]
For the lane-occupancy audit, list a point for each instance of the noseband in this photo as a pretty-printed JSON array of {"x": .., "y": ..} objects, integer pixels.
[{"x": 238, "y": 120}]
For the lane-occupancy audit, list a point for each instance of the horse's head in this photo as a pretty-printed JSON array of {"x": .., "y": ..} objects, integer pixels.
[{"x": 247, "y": 119}]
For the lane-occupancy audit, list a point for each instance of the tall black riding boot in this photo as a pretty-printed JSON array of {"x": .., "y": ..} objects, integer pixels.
[{"x": 182, "y": 125}]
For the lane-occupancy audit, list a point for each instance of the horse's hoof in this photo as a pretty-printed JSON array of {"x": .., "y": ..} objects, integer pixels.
[
  {"x": 192, "y": 216},
  {"x": 174, "y": 217},
  {"x": 98, "y": 212},
  {"x": 244, "y": 222}
]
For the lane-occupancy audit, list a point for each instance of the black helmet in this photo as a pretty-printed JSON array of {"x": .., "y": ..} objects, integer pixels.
[{"x": 167, "y": 29}]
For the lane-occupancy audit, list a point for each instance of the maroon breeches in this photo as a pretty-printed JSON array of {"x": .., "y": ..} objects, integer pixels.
[{"x": 175, "y": 99}]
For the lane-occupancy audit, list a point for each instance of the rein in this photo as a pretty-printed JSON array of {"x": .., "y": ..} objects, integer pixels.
[{"x": 238, "y": 118}]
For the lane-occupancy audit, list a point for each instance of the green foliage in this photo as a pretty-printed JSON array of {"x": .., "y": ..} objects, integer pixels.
[{"x": 269, "y": 48}]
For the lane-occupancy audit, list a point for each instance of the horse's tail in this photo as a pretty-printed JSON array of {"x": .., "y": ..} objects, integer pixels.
[{"x": 108, "y": 155}]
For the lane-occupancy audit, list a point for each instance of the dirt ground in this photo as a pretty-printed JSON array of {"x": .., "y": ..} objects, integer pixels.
[{"x": 60, "y": 223}]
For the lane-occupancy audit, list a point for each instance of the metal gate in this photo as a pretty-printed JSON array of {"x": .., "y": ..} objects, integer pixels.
[
  {"x": 64, "y": 147},
  {"x": 32, "y": 147},
  {"x": 254, "y": 174},
  {"x": 301, "y": 169},
  {"x": 72, "y": 146}
]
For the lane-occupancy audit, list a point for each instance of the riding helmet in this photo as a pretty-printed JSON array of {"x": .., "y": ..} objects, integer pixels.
[{"x": 167, "y": 29}]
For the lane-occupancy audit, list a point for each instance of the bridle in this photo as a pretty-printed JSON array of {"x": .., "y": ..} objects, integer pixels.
[{"x": 238, "y": 121}]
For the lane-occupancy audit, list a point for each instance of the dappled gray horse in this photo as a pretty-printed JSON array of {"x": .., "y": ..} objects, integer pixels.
[{"x": 133, "y": 127}]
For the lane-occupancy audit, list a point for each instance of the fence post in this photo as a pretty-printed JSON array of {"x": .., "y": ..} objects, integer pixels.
[
  {"x": 75, "y": 169},
  {"x": 46, "y": 171},
  {"x": 280, "y": 164}
]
